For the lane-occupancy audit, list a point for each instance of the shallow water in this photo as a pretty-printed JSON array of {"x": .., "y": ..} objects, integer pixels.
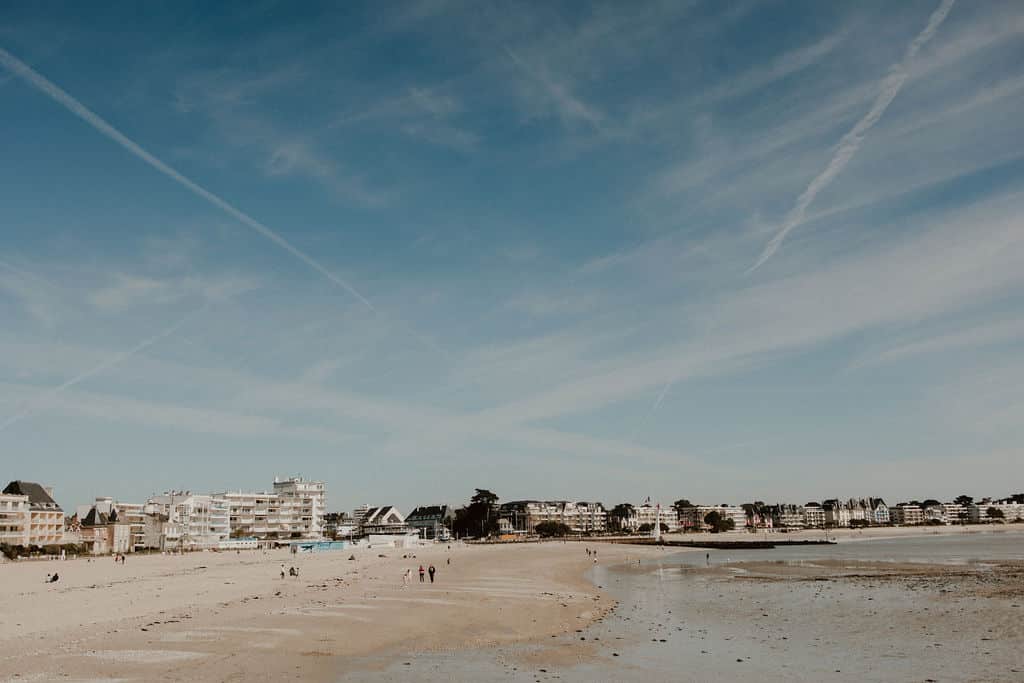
[{"x": 669, "y": 626}]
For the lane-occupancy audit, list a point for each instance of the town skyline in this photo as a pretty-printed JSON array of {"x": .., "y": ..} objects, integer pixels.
[{"x": 335, "y": 505}]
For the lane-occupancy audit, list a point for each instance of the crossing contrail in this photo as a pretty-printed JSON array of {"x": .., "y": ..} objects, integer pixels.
[
  {"x": 851, "y": 142},
  {"x": 34, "y": 406},
  {"x": 54, "y": 92}
]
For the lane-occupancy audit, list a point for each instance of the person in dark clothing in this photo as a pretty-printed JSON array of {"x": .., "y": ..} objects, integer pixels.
[
  {"x": 431, "y": 571},
  {"x": 422, "y": 571},
  {"x": 54, "y": 578}
]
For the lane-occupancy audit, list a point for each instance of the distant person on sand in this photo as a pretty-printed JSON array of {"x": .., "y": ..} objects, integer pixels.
[
  {"x": 406, "y": 577},
  {"x": 449, "y": 561},
  {"x": 422, "y": 572},
  {"x": 707, "y": 558},
  {"x": 282, "y": 570},
  {"x": 54, "y": 578},
  {"x": 431, "y": 570}
]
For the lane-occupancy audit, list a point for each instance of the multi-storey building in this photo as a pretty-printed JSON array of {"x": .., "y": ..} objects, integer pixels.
[
  {"x": 906, "y": 514},
  {"x": 15, "y": 519},
  {"x": 955, "y": 513},
  {"x": 786, "y": 516},
  {"x": 814, "y": 516},
  {"x": 581, "y": 517},
  {"x": 190, "y": 521},
  {"x": 46, "y": 518},
  {"x": 837, "y": 513},
  {"x": 294, "y": 510},
  {"x": 693, "y": 518},
  {"x": 645, "y": 513},
  {"x": 307, "y": 500}
]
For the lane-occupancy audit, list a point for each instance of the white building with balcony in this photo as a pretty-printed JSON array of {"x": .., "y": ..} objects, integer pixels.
[
  {"x": 15, "y": 518},
  {"x": 188, "y": 521}
]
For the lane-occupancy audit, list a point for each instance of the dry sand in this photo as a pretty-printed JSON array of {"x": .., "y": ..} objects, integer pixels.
[{"x": 227, "y": 616}]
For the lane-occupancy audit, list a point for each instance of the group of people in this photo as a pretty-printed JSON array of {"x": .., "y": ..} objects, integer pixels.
[
  {"x": 407, "y": 576},
  {"x": 52, "y": 579},
  {"x": 592, "y": 553},
  {"x": 292, "y": 571},
  {"x": 119, "y": 558}
]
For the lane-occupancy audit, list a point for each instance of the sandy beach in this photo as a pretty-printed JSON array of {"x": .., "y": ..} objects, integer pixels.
[
  {"x": 528, "y": 607},
  {"x": 227, "y": 616}
]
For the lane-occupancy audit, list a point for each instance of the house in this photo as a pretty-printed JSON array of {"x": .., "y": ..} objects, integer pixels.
[
  {"x": 837, "y": 514},
  {"x": 46, "y": 518},
  {"x": 383, "y": 520},
  {"x": 104, "y": 533},
  {"x": 431, "y": 521},
  {"x": 879, "y": 512}
]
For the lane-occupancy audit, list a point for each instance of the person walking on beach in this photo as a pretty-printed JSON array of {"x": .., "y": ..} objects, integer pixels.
[
  {"x": 431, "y": 570},
  {"x": 707, "y": 558},
  {"x": 422, "y": 572},
  {"x": 282, "y": 570},
  {"x": 406, "y": 577}
]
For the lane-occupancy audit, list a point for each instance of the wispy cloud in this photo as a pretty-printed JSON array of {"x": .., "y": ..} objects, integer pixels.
[
  {"x": 851, "y": 142},
  {"x": 40, "y": 83},
  {"x": 41, "y": 402},
  {"x": 569, "y": 107}
]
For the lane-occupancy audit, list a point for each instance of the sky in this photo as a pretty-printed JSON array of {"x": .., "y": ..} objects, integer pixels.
[{"x": 721, "y": 251}]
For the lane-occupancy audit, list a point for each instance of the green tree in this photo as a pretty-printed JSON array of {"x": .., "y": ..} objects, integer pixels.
[
  {"x": 647, "y": 528},
  {"x": 681, "y": 505},
  {"x": 995, "y": 513},
  {"x": 963, "y": 500},
  {"x": 620, "y": 513},
  {"x": 551, "y": 529},
  {"x": 479, "y": 518},
  {"x": 719, "y": 522}
]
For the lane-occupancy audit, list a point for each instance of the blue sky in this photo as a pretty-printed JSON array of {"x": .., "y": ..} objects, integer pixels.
[{"x": 764, "y": 250}]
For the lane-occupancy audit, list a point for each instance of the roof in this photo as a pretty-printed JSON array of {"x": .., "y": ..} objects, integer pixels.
[
  {"x": 95, "y": 518},
  {"x": 38, "y": 498},
  {"x": 428, "y": 512}
]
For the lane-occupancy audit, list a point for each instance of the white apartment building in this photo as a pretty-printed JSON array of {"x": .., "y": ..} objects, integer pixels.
[
  {"x": 814, "y": 516},
  {"x": 190, "y": 521},
  {"x": 905, "y": 514},
  {"x": 308, "y": 500},
  {"x": 15, "y": 518},
  {"x": 649, "y": 514},
  {"x": 978, "y": 512},
  {"x": 693, "y": 517},
  {"x": 580, "y": 516},
  {"x": 294, "y": 510}
]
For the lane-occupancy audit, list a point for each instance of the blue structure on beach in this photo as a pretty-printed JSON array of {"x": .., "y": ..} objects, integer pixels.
[{"x": 318, "y": 546}]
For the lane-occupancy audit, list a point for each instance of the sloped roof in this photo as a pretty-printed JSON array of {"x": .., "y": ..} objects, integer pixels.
[
  {"x": 96, "y": 518},
  {"x": 428, "y": 512},
  {"x": 38, "y": 498}
]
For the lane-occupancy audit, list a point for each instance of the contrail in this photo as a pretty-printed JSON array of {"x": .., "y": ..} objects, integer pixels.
[
  {"x": 34, "y": 406},
  {"x": 45, "y": 86},
  {"x": 851, "y": 142}
]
